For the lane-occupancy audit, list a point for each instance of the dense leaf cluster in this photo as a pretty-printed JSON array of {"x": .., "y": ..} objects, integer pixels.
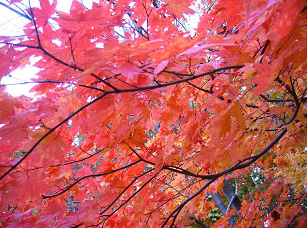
[{"x": 136, "y": 118}]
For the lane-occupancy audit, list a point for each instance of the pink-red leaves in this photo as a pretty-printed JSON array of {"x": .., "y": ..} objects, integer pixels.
[
  {"x": 161, "y": 67},
  {"x": 134, "y": 113},
  {"x": 236, "y": 112}
]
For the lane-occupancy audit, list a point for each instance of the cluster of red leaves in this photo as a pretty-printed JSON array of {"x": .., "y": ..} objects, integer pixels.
[{"x": 135, "y": 118}]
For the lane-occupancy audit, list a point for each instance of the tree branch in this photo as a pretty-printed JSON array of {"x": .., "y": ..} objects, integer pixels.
[
  {"x": 50, "y": 131},
  {"x": 89, "y": 176},
  {"x": 55, "y": 82},
  {"x": 179, "y": 208},
  {"x": 133, "y": 195},
  {"x": 23, "y": 14},
  {"x": 240, "y": 165}
]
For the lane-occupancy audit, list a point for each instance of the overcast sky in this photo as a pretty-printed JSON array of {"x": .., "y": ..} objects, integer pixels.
[{"x": 11, "y": 24}]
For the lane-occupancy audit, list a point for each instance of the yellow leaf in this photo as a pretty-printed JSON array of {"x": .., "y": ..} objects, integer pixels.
[
  {"x": 290, "y": 127},
  {"x": 279, "y": 110},
  {"x": 159, "y": 162},
  {"x": 300, "y": 116},
  {"x": 220, "y": 186},
  {"x": 236, "y": 112},
  {"x": 224, "y": 126}
]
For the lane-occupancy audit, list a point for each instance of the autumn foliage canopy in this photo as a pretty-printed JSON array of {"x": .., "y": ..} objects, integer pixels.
[{"x": 135, "y": 117}]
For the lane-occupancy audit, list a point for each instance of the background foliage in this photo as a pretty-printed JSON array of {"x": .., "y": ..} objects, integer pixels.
[{"x": 136, "y": 118}]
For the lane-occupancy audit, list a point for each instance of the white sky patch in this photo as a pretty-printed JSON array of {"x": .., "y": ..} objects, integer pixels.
[
  {"x": 19, "y": 76},
  {"x": 64, "y": 6},
  {"x": 11, "y": 24},
  {"x": 57, "y": 42}
]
